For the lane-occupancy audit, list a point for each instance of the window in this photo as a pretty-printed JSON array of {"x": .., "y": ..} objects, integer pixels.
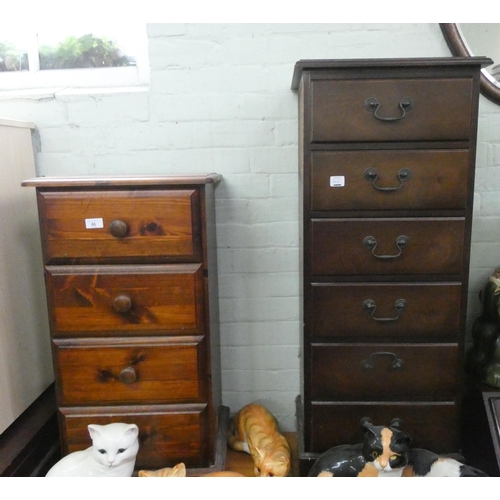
[{"x": 73, "y": 55}]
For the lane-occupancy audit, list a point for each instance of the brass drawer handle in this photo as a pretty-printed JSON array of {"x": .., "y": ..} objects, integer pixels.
[
  {"x": 371, "y": 175},
  {"x": 118, "y": 228},
  {"x": 370, "y": 306},
  {"x": 369, "y": 364},
  {"x": 372, "y": 105},
  {"x": 122, "y": 303},
  {"x": 128, "y": 375},
  {"x": 371, "y": 243}
]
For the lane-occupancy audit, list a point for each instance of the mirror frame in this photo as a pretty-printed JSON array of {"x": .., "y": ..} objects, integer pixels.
[{"x": 458, "y": 47}]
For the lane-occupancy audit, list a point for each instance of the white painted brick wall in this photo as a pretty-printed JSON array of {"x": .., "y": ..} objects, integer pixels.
[{"x": 220, "y": 101}]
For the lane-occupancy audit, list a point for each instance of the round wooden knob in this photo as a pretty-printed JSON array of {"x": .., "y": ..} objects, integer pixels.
[
  {"x": 118, "y": 228},
  {"x": 128, "y": 375},
  {"x": 122, "y": 303}
]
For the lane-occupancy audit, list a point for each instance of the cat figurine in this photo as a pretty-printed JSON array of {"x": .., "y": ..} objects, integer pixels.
[
  {"x": 113, "y": 453},
  {"x": 425, "y": 463},
  {"x": 386, "y": 452},
  {"x": 383, "y": 453},
  {"x": 255, "y": 431},
  {"x": 179, "y": 470}
]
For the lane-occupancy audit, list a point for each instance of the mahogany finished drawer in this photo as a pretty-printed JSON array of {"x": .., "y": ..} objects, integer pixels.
[
  {"x": 424, "y": 419},
  {"x": 437, "y": 109},
  {"x": 414, "y": 246},
  {"x": 389, "y": 180},
  {"x": 167, "y": 434},
  {"x": 158, "y": 370},
  {"x": 117, "y": 226},
  {"x": 404, "y": 372},
  {"x": 126, "y": 300},
  {"x": 402, "y": 311}
]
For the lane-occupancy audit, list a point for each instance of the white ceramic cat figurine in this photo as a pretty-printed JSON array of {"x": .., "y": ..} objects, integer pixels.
[{"x": 112, "y": 454}]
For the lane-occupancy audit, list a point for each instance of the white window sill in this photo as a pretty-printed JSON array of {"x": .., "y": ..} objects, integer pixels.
[{"x": 47, "y": 93}]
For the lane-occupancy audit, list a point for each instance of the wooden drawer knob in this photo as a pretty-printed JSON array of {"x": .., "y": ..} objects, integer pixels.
[
  {"x": 118, "y": 228},
  {"x": 122, "y": 303},
  {"x": 128, "y": 375}
]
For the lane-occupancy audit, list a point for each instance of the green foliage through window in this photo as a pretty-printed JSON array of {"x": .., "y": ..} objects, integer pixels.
[
  {"x": 12, "y": 58},
  {"x": 87, "y": 51}
]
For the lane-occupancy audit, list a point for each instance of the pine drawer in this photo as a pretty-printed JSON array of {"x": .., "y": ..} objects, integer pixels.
[
  {"x": 168, "y": 434},
  {"x": 126, "y": 300},
  {"x": 121, "y": 226},
  {"x": 119, "y": 371}
]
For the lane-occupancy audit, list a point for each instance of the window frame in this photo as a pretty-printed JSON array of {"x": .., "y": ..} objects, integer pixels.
[{"x": 34, "y": 78}]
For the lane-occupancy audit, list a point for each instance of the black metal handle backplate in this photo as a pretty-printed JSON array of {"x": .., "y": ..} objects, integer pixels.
[
  {"x": 371, "y": 175},
  {"x": 370, "y": 364},
  {"x": 370, "y": 306},
  {"x": 372, "y": 105},
  {"x": 371, "y": 243}
]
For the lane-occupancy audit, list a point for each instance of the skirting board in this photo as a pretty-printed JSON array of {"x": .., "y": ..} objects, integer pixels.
[{"x": 31, "y": 444}]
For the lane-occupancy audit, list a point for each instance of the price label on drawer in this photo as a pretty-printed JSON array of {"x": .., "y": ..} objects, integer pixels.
[
  {"x": 94, "y": 223},
  {"x": 337, "y": 181}
]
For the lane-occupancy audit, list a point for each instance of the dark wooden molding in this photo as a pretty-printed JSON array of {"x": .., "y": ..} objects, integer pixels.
[{"x": 30, "y": 446}]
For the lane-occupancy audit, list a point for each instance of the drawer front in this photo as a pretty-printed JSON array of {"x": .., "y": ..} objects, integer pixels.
[
  {"x": 386, "y": 372},
  {"x": 422, "y": 421},
  {"x": 441, "y": 110},
  {"x": 108, "y": 225},
  {"x": 129, "y": 300},
  {"x": 138, "y": 371},
  {"x": 399, "y": 310},
  {"x": 167, "y": 434},
  {"x": 389, "y": 180},
  {"x": 387, "y": 246}
]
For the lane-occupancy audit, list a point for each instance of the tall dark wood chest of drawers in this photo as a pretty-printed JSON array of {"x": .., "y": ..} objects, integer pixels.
[
  {"x": 131, "y": 280},
  {"x": 387, "y": 153}
]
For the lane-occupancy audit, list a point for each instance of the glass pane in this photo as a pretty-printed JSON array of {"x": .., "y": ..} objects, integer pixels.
[
  {"x": 13, "y": 52},
  {"x": 84, "y": 47}
]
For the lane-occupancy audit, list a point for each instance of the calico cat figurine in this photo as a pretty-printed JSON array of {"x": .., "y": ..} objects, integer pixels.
[
  {"x": 425, "y": 463},
  {"x": 386, "y": 452},
  {"x": 255, "y": 431},
  {"x": 112, "y": 454},
  {"x": 383, "y": 453},
  {"x": 179, "y": 470}
]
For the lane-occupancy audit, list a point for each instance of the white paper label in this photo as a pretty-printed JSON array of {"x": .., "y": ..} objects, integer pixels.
[
  {"x": 94, "y": 223},
  {"x": 337, "y": 181}
]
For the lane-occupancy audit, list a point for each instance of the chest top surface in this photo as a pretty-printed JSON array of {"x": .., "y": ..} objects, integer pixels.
[
  {"x": 121, "y": 181},
  {"x": 363, "y": 67}
]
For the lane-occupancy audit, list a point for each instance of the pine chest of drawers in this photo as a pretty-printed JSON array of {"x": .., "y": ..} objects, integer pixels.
[
  {"x": 386, "y": 153},
  {"x": 131, "y": 280}
]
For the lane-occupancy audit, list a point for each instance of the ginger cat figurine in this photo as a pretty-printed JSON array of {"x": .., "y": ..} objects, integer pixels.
[
  {"x": 179, "y": 470},
  {"x": 255, "y": 431}
]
